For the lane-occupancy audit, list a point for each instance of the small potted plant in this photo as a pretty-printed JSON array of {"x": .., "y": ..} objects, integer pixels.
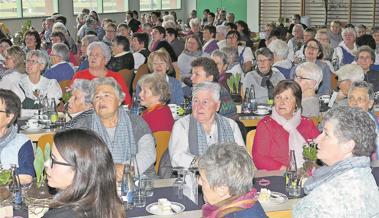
[
  {"x": 234, "y": 86},
  {"x": 310, "y": 157},
  {"x": 5, "y": 179}
]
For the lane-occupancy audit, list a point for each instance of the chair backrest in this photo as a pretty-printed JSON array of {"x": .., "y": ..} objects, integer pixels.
[
  {"x": 64, "y": 84},
  {"x": 280, "y": 214},
  {"x": 161, "y": 139},
  {"x": 44, "y": 139},
  {"x": 128, "y": 77},
  {"x": 334, "y": 81},
  {"x": 142, "y": 70},
  {"x": 250, "y": 140},
  {"x": 177, "y": 72}
]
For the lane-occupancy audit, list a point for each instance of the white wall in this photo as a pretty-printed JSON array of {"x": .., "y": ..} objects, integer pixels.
[{"x": 253, "y": 15}]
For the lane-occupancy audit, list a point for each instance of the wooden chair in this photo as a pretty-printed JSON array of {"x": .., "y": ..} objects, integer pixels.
[
  {"x": 142, "y": 70},
  {"x": 177, "y": 72},
  {"x": 334, "y": 81},
  {"x": 250, "y": 140},
  {"x": 128, "y": 76},
  {"x": 47, "y": 138},
  {"x": 280, "y": 214},
  {"x": 161, "y": 139}
]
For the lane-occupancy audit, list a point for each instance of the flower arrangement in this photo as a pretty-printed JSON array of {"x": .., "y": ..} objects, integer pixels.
[
  {"x": 310, "y": 157},
  {"x": 39, "y": 167},
  {"x": 234, "y": 86}
]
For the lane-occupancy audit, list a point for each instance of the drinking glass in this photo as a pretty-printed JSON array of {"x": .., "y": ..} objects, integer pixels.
[
  {"x": 180, "y": 181},
  {"x": 140, "y": 195},
  {"x": 148, "y": 184}
]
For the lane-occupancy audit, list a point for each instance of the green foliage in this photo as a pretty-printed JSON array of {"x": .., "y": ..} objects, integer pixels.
[
  {"x": 5, "y": 177},
  {"x": 310, "y": 151},
  {"x": 234, "y": 82},
  {"x": 39, "y": 160}
]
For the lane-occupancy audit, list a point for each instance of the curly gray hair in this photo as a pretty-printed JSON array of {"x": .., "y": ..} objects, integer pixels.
[
  {"x": 41, "y": 57},
  {"x": 84, "y": 86},
  {"x": 106, "y": 51},
  {"x": 353, "y": 124},
  {"x": 157, "y": 85},
  {"x": 229, "y": 165},
  {"x": 107, "y": 81},
  {"x": 365, "y": 85}
]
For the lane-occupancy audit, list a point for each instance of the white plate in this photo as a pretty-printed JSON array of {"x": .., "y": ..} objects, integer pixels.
[
  {"x": 263, "y": 112},
  {"x": 34, "y": 129},
  {"x": 154, "y": 209},
  {"x": 276, "y": 198}
]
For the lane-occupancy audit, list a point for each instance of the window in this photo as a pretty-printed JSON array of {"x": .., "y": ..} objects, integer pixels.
[
  {"x": 101, "y": 6},
  {"x": 27, "y": 8},
  {"x": 151, "y": 5}
]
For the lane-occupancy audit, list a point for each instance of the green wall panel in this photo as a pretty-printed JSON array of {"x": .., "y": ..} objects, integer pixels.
[{"x": 238, "y": 7}]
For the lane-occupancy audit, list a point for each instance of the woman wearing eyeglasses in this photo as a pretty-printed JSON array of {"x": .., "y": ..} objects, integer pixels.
[
  {"x": 308, "y": 76},
  {"x": 284, "y": 130},
  {"x": 81, "y": 169}
]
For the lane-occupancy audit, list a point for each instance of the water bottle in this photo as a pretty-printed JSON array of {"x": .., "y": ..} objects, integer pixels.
[
  {"x": 16, "y": 187},
  {"x": 245, "y": 107},
  {"x": 53, "y": 111},
  {"x": 291, "y": 171},
  {"x": 136, "y": 105},
  {"x": 252, "y": 99},
  {"x": 127, "y": 188}
]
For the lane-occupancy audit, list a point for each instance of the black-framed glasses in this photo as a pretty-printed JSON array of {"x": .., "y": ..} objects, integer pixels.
[
  {"x": 3, "y": 111},
  {"x": 297, "y": 77},
  {"x": 53, "y": 161}
]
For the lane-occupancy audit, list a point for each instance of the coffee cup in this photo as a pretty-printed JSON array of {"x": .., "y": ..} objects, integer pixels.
[
  {"x": 261, "y": 109},
  {"x": 32, "y": 123}
]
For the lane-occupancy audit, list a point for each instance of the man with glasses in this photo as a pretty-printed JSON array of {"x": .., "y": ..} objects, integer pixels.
[{"x": 308, "y": 76}]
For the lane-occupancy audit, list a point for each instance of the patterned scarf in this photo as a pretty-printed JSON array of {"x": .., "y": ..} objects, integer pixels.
[
  {"x": 9, "y": 136},
  {"x": 266, "y": 83},
  {"x": 230, "y": 205},
  {"x": 295, "y": 140},
  {"x": 327, "y": 173},
  {"x": 123, "y": 144},
  {"x": 197, "y": 139}
]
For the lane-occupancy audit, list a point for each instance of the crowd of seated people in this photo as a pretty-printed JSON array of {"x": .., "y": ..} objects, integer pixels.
[{"x": 189, "y": 64}]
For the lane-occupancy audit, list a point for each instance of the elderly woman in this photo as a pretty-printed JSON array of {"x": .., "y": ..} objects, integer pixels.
[
  {"x": 192, "y": 50},
  {"x": 110, "y": 33},
  {"x": 159, "y": 62},
  {"x": 323, "y": 37},
  {"x": 221, "y": 60},
  {"x": 80, "y": 100},
  {"x": 345, "y": 52},
  {"x": 227, "y": 193},
  {"x": 35, "y": 86},
  {"x": 124, "y": 133},
  {"x": 344, "y": 187},
  {"x": 158, "y": 35},
  {"x": 313, "y": 53},
  {"x": 99, "y": 55},
  {"x": 245, "y": 54},
  {"x": 122, "y": 57},
  {"x": 193, "y": 134},
  {"x": 296, "y": 42},
  {"x": 4, "y": 45},
  {"x": 308, "y": 76},
  {"x": 15, "y": 67},
  {"x": 81, "y": 169},
  {"x": 335, "y": 33},
  {"x": 15, "y": 148},
  {"x": 32, "y": 41},
  {"x": 233, "y": 65},
  {"x": 154, "y": 95},
  {"x": 365, "y": 59},
  {"x": 280, "y": 50},
  {"x": 263, "y": 79},
  {"x": 285, "y": 129},
  {"x": 347, "y": 74},
  {"x": 86, "y": 40}
]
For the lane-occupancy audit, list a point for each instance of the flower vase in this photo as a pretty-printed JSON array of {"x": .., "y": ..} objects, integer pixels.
[
  {"x": 5, "y": 194},
  {"x": 236, "y": 97},
  {"x": 309, "y": 167},
  {"x": 39, "y": 191}
]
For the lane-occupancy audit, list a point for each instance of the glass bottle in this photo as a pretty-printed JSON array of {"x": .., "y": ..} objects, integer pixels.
[
  {"x": 245, "y": 108},
  {"x": 291, "y": 170},
  {"x": 127, "y": 187},
  {"x": 252, "y": 99},
  {"x": 53, "y": 111},
  {"x": 15, "y": 187}
]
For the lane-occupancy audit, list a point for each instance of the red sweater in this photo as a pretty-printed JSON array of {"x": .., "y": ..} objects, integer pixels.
[
  {"x": 85, "y": 74},
  {"x": 159, "y": 118},
  {"x": 270, "y": 148}
]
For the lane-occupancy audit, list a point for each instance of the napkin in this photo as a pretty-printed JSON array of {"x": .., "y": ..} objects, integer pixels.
[
  {"x": 190, "y": 188},
  {"x": 6, "y": 211}
]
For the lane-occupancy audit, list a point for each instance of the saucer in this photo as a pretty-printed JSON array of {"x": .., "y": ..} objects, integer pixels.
[{"x": 154, "y": 209}]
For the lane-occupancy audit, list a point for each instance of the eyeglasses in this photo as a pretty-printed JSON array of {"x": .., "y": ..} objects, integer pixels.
[
  {"x": 53, "y": 161},
  {"x": 32, "y": 61},
  {"x": 263, "y": 60},
  {"x": 297, "y": 77},
  {"x": 2, "y": 111},
  {"x": 312, "y": 48}
]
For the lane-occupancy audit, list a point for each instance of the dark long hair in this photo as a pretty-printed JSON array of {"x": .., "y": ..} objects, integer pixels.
[{"x": 93, "y": 189}]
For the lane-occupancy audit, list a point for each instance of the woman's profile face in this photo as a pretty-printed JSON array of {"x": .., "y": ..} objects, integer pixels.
[
  {"x": 330, "y": 150},
  {"x": 192, "y": 45},
  {"x": 59, "y": 174},
  {"x": 9, "y": 62},
  {"x": 210, "y": 194},
  {"x": 285, "y": 104},
  {"x": 147, "y": 97}
]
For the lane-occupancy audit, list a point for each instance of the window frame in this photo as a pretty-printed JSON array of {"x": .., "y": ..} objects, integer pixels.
[
  {"x": 101, "y": 7},
  {"x": 20, "y": 14},
  {"x": 181, "y": 6}
]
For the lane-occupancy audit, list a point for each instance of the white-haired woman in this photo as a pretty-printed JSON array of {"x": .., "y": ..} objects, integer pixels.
[
  {"x": 35, "y": 86},
  {"x": 280, "y": 50},
  {"x": 80, "y": 100},
  {"x": 99, "y": 55},
  {"x": 344, "y": 186},
  {"x": 346, "y": 50},
  {"x": 193, "y": 134},
  {"x": 228, "y": 194},
  {"x": 308, "y": 76},
  {"x": 124, "y": 133}
]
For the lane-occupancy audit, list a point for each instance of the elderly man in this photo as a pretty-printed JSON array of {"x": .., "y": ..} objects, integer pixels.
[
  {"x": 308, "y": 76},
  {"x": 124, "y": 133},
  {"x": 60, "y": 69},
  {"x": 361, "y": 95},
  {"x": 86, "y": 40},
  {"x": 347, "y": 74},
  {"x": 296, "y": 42},
  {"x": 280, "y": 50},
  {"x": 193, "y": 134}
]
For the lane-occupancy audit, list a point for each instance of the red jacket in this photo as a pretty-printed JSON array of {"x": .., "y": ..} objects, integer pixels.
[
  {"x": 85, "y": 74},
  {"x": 270, "y": 148},
  {"x": 159, "y": 118}
]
